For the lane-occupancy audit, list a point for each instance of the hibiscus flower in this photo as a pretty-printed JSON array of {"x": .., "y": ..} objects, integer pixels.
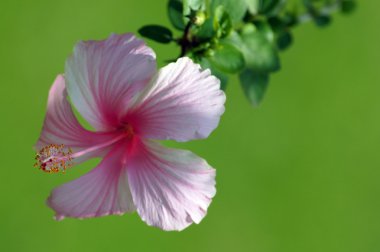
[{"x": 115, "y": 87}]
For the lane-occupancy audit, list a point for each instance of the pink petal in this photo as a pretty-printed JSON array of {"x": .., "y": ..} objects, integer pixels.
[
  {"x": 170, "y": 188},
  {"x": 102, "y": 76},
  {"x": 181, "y": 103},
  {"x": 61, "y": 126},
  {"x": 102, "y": 191}
]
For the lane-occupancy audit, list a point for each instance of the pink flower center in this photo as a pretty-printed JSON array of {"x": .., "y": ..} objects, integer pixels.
[{"x": 128, "y": 130}]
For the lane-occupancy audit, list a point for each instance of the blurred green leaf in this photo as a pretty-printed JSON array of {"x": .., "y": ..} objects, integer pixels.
[
  {"x": 348, "y": 6},
  {"x": 266, "y": 30},
  {"x": 206, "y": 64},
  {"x": 206, "y": 30},
  {"x": 190, "y": 6},
  {"x": 262, "y": 6},
  {"x": 157, "y": 33},
  {"x": 276, "y": 23},
  {"x": 253, "y": 6},
  {"x": 267, "y": 6},
  {"x": 194, "y": 4},
  {"x": 222, "y": 22},
  {"x": 218, "y": 26},
  {"x": 236, "y": 8},
  {"x": 259, "y": 53},
  {"x": 254, "y": 85},
  {"x": 290, "y": 19},
  {"x": 227, "y": 58},
  {"x": 284, "y": 40},
  {"x": 308, "y": 4},
  {"x": 322, "y": 20},
  {"x": 175, "y": 12}
]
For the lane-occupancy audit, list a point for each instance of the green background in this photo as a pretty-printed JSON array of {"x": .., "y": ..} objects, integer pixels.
[{"x": 301, "y": 173}]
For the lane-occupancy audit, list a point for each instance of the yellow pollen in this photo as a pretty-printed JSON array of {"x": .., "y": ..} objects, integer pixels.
[{"x": 54, "y": 158}]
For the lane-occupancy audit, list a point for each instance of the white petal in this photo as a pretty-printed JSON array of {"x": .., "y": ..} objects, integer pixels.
[
  {"x": 181, "y": 103},
  {"x": 103, "y": 76},
  {"x": 102, "y": 191},
  {"x": 170, "y": 188},
  {"x": 61, "y": 126}
]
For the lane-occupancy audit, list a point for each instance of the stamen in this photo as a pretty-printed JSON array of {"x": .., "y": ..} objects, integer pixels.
[{"x": 53, "y": 158}]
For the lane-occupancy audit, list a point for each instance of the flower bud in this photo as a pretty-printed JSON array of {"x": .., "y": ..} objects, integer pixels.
[{"x": 200, "y": 18}]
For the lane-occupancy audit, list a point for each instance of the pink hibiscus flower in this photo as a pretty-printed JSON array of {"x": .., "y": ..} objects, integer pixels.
[{"x": 114, "y": 85}]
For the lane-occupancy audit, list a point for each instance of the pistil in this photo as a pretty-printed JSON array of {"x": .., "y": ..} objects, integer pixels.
[{"x": 54, "y": 158}]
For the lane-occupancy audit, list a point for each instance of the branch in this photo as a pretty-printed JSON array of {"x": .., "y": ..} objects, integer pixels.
[{"x": 184, "y": 42}]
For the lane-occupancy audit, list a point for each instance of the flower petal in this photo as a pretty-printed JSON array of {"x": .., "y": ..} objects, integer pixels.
[
  {"x": 102, "y": 76},
  {"x": 170, "y": 188},
  {"x": 181, "y": 103},
  {"x": 62, "y": 127},
  {"x": 102, "y": 191}
]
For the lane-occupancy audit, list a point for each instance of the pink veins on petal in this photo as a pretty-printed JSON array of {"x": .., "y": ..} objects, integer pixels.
[{"x": 115, "y": 87}]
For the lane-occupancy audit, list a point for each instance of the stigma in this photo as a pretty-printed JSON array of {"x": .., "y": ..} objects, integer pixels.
[{"x": 54, "y": 158}]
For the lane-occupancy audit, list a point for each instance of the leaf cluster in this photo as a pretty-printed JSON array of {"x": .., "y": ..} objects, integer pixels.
[{"x": 241, "y": 37}]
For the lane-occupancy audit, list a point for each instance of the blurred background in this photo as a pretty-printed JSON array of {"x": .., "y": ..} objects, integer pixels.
[{"x": 300, "y": 173}]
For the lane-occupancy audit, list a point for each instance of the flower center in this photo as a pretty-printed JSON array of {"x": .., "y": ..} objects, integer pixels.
[
  {"x": 128, "y": 130},
  {"x": 54, "y": 158}
]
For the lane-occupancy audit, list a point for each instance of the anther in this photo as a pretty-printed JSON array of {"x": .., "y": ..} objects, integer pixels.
[{"x": 54, "y": 158}]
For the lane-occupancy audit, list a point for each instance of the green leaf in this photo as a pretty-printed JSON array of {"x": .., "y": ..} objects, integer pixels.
[
  {"x": 284, "y": 40},
  {"x": 308, "y": 4},
  {"x": 262, "y": 6},
  {"x": 206, "y": 31},
  {"x": 265, "y": 29},
  {"x": 222, "y": 22},
  {"x": 236, "y": 8},
  {"x": 227, "y": 58},
  {"x": 254, "y": 85},
  {"x": 259, "y": 53},
  {"x": 206, "y": 64},
  {"x": 348, "y": 6},
  {"x": 157, "y": 33},
  {"x": 193, "y": 5},
  {"x": 290, "y": 19},
  {"x": 276, "y": 23},
  {"x": 175, "y": 12},
  {"x": 268, "y": 6},
  {"x": 253, "y": 6},
  {"x": 218, "y": 26},
  {"x": 322, "y": 20}
]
